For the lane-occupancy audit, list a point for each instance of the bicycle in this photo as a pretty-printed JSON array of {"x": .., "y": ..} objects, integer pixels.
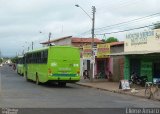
[{"x": 152, "y": 90}]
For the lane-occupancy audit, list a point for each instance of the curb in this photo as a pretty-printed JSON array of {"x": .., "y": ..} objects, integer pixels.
[{"x": 115, "y": 91}]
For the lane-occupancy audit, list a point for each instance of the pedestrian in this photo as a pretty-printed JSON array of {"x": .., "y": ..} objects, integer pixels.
[
  {"x": 14, "y": 66},
  {"x": 86, "y": 74}
]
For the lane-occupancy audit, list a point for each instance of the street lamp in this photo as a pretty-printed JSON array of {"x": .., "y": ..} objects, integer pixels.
[
  {"x": 92, "y": 43},
  {"x": 84, "y": 11},
  {"x": 49, "y": 38}
]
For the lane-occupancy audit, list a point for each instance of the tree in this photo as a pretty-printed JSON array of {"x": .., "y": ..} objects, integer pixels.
[
  {"x": 111, "y": 39},
  {"x": 14, "y": 60},
  {"x": 1, "y": 60},
  {"x": 103, "y": 40},
  {"x": 156, "y": 25}
]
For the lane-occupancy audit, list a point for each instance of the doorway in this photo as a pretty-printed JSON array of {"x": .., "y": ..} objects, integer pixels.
[
  {"x": 101, "y": 68},
  {"x": 156, "y": 70},
  {"x": 135, "y": 66}
]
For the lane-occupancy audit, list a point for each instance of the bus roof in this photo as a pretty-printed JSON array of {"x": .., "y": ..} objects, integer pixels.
[
  {"x": 37, "y": 50},
  {"x": 46, "y": 48}
]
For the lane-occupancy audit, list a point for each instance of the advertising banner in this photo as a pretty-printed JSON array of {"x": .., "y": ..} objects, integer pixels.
[
  {"x": 143, "y": 41},
  {"x": 87, "y": 51},
  {"x": 103, "y": 50}
]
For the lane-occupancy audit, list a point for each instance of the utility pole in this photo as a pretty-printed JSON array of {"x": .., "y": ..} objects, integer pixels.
[
  {"x": 32, "y": 45},
  {"x": 92, "y": 44},
  {"x": 28, "y": 48},
  {"x": 49, "y": 38},
  {"x": 23, "y": 52}
]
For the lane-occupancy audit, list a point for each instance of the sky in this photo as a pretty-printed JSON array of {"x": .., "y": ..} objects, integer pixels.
[{"x": 25, "y": 21}]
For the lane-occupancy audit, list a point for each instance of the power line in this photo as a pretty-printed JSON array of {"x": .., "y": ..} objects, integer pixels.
[
  {"x": 121, "y": 27},
  {"x": 121, "y": 24},
  {"x": 126, "y": 25},
  {"x": 129, "y": 21},
  {"x": 126, "y": 30}
]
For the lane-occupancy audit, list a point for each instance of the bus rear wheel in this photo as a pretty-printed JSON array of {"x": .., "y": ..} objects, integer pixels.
[{"x": 26, "y": 77}]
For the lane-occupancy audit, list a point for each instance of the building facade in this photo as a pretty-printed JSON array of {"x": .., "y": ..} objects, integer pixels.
[
  {"x": 105, "y": 66},
  {"x": 111, "y": 67},
  {"x": 142, "y": 53},
  {"x": 77, "y": 42}
]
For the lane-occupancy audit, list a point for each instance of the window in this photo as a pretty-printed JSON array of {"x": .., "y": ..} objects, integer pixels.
[{"x": 37, "y": 57}]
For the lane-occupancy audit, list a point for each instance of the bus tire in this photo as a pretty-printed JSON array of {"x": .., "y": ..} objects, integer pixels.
[
  {"x": 37, "y": 80},
  {"x": 26, "y": 77}
]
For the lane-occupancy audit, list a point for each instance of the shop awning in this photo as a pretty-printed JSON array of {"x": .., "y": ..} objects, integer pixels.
[{"x": 135, "y": 53}]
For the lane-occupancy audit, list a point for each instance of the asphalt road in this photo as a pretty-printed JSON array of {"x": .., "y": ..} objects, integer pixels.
[{"x": 16, "y": 92}]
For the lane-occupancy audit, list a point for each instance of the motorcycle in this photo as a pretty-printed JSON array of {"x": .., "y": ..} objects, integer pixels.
[{"x": 138, "y": 80}]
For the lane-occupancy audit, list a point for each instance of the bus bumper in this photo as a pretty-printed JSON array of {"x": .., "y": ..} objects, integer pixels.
[{"x": 64, "y": 79}]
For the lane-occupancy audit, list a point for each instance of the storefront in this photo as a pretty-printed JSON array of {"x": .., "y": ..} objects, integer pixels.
[
  {"x": 105, "y": 66},
  {"x": 142, "y": 54},
  {"x": 102, "y": 68},
  {"x": 86, "y": 60},
  {"x": 102, "y": 61}
]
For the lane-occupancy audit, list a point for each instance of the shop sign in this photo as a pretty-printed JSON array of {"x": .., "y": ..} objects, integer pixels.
[
  {"x": 87, "y": 52},
  {"x": 124, "y": 85},
  {"x": 103, "y": 50},
  {"x": 143, "y": 41}
]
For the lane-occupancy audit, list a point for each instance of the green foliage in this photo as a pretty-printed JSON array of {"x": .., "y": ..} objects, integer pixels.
[
  {"x": 15, "y": 59},
  {"x": 156, "y": 25},
  {"x": 103, "y": 40},
  {"x": 1, "y": 60},
  {"x": 111, "y": 39}
]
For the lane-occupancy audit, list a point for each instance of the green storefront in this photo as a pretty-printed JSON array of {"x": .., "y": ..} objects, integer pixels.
[
  {"x": 143, "y": 65},
  {"x": 142, "y": 54}
]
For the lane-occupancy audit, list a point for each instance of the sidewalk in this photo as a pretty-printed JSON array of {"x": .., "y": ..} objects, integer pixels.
[{"x": 114, "y": 87}]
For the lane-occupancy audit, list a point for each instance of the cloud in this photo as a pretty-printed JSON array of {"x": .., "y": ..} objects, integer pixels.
[{"x": 21, "y": 20}]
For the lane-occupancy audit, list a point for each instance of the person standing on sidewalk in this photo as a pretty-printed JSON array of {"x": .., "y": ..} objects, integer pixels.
[
  {"x": 108, "y": 74},
  {"x": 14, "y": 66},
  {"x": 86, "y": 74}
]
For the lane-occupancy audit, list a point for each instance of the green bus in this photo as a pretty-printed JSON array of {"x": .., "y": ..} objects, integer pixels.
[
  {"x": 20, "y": 65},
  {"x": 59, "y": 64}
]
